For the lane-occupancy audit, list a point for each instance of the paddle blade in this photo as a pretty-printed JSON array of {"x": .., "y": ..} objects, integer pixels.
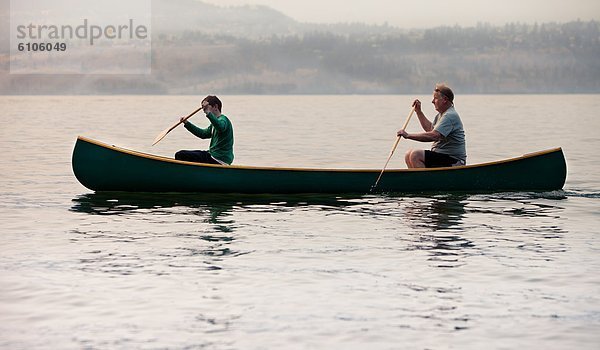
[
  {"x": 164, "y": 133},
  {"x": 161, "y": 136}
]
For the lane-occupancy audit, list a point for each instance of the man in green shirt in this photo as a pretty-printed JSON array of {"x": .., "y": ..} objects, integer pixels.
[{"x": 220, "y": 133}]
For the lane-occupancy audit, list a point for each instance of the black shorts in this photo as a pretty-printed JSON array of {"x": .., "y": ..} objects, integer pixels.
[
  {"x": 196, "y": 156},
  {"x": 438, "y": 160}
]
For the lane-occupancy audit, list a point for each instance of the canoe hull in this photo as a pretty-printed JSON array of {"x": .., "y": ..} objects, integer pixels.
[{"x": 101, "y": 167}]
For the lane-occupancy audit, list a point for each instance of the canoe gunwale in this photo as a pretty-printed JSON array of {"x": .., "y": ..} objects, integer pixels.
[{"x": 172, "y": 160}]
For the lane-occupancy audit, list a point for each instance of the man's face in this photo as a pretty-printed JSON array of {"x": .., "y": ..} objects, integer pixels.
[
  {"x": 206, "y": 107},
  {"x": 439, "y": 101}
]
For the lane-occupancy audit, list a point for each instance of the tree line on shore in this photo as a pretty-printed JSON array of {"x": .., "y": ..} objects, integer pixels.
[{"x": 514, "y": 58}]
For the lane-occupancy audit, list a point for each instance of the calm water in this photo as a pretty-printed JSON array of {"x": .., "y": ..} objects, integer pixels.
[{"x": 118, "y": 271}]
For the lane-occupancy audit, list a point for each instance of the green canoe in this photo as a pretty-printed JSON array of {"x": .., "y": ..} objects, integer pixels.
[{"x": 102, "y": 167}]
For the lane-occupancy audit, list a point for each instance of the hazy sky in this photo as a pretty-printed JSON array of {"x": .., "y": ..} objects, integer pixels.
[{"x": 429, "y": 13}]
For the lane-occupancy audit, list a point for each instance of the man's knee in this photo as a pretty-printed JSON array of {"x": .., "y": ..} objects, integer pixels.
[
  {"x": 415, "y": 158},
  {"x": 412, "y": 154},
  {"x": 408, "y": 158},
  {"x": 182, "y": 155}
]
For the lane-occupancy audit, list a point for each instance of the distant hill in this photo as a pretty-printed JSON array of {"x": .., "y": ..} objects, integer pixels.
[{"x": 173, "y": 16}]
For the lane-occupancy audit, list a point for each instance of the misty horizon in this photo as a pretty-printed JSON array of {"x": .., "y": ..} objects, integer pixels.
[
  {"x": 427, "y": 13},
  {"x": 258, "y": 50}
]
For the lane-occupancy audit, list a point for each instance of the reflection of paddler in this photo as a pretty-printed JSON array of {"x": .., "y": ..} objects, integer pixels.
[{"x": 437, "y": 214}]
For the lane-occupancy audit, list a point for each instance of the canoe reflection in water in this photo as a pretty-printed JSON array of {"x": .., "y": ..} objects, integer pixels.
[
  {"x": 182, "y": 214},
  {"x": 436, "y": 212},
  {"x": 161, "y": 216},
  {"x": 121, "y": 203},
  {"x": 528, "y": 220},
  {"x": 437, "y": 228},
  {"x": 436, "y": 223},
  {"x": 124, "y": 203}
]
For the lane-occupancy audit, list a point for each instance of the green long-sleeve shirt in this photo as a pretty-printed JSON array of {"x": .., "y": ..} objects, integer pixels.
[{"x": 220, "y": 133}]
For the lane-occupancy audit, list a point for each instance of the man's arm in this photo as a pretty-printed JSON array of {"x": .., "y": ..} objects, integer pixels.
[
  {"x": 429, "y": 136},
  {"x": 218, "y": 123},
  {"x": 425, "y": 123},
  {"x": 199, "y": 132}
]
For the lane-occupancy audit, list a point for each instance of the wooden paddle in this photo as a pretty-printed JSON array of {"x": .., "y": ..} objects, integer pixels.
[
  {"x": 394, "y": 148},
  {"x": 168, "y": 130}
]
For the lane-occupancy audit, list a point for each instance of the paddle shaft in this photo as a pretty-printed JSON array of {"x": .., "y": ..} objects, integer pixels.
[
  {"x": 394, "y": 148},
  {"x": 166, "y": 131}
]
